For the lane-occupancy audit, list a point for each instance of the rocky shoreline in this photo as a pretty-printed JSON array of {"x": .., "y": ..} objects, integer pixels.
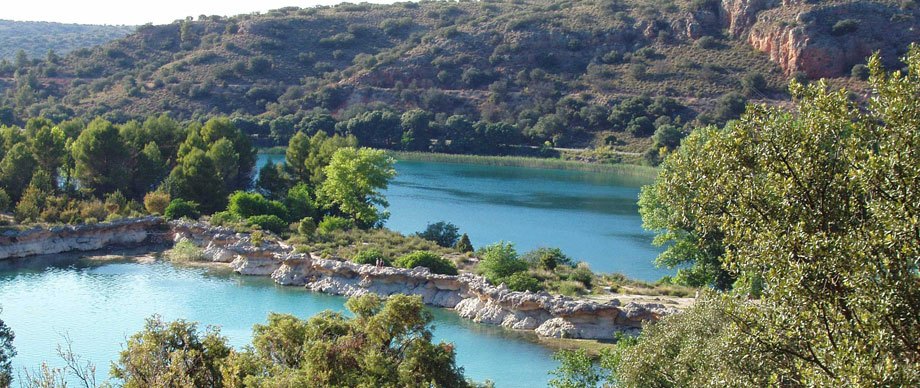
[{"x": 471, "y": 296}]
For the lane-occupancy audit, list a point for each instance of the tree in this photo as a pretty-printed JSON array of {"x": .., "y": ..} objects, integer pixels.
[
  {"x": 379, "y": 129},
  {"x": 820, "y": 202},
  {"x": 385, "y": 344},
  {"x": 464, "y": 245},
  {"x": 576, "y": 370},
  {"x": 322, "y": 147},
  {"x": 7, "y": 352},
  {"x": 416, "y": 125},
  {"x": 149, "y": 170},
  {"x": 298, "y": 151},
  {"x": 16, "y": 170},
  {"x": 498, "y": 261},
  {"x": 48, "y": 149},
  {"x": 219, "y": 128},
  {"x": 173, "y": 354},
  {"x": 101, "y": 158},
  {"x": 272, "y": 182},
  {"x": 227, "y": 161},
  {"x": 196, "y": 179},
  {"x": 443, "y": 233},
  {"x": 430, "y": 260},
  {"x": 354, "y": 179},
  {"x": 299, "y": 202}
]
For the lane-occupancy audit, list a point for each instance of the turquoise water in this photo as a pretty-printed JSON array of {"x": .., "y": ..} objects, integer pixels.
[
  {"x": 590, "y": 216},
  {"x": 99, "y": 305}
]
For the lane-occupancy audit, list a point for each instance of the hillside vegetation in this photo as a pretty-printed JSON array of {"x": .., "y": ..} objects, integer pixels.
[
  {"x": 623, "y": 76},
  {"x": 36, "y": 39}
]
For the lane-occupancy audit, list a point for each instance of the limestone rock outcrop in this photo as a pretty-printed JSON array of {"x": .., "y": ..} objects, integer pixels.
[
  {"x": 471, "y": 296},
  {"x": 59, "y": 239}
]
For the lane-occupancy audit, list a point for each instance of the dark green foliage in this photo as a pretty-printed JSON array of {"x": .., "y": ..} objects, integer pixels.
[
  {"x": 306, "y": 227},
  {"x": 845, "y": 26},
  {"x": 246, "y": 205},
  {"x": 464, "y": 245},
  {"x": 443, "y": 233},
  {"x": 196, "y": 179},
  {"x": 547, "y": 258},
  {"x": 51, "y": 40},
  {"x": 101, "y": 158},
  {"x": 754, "y": 84},
  {"x": 576, "y": 370},
  {"x": 16, "y": 170},
  {"x": 429, "y": 260},
  {"x": 172, "y": 354},
  {"x": 860, "y": 72},
  {"x": 7, "y": 352},
  {"x": 330, "y": 224},
  {"x": 370, "y": 256},
  {"x": 272, "y": 182},
  {"x": 269, "y": 222},
  {"x": 498, "y": 261},
  {"x": 180, "y": 208},
  {"x": 299, "y": 202},
  {"x": 523, "y": 281}
]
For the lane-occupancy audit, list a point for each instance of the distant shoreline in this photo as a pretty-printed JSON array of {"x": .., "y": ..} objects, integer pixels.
[{"x": 511, "y": 161}]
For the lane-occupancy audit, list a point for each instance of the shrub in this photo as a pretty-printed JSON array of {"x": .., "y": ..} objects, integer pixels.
[
  {"x": 4, "y": 201},
  {"x": 860, "y": 71},
  {"x": 92, "y": 211},
  {"x": 185, "y": 251},
  {"x": 224, "y": 218},
  {"x": 333, "y": 223},
  {"x": 845, "y": 26},
  {"x": 706, "y": 42},
  {"x": 500, "y": 260},
  {"x": 156, "y": 202},
  {"x": 370, "y": 256},
  {"x": 523, "y": 281},
  {"x": 306, "y": 227},
  {"x": 268, "y": 222},
  {"x": 753, "y": 83},
  {"x": 429, "y": 260},
  {"x": 583, "y": 275},
  {"x": 180, "y": 208},
  {"x": 246, "y": 205},
  {"x": 464, "y": 245},
  {"x": 443, "y": 233},
  {"x": 547, "y": 258}
]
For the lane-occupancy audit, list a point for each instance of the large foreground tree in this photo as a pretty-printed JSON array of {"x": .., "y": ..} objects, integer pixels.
[{"x": 821, "y": 206}]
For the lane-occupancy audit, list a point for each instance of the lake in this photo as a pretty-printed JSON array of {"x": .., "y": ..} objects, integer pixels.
[
  {"x": 100, "y": 304},
  {"x": 591, "y": 216}
]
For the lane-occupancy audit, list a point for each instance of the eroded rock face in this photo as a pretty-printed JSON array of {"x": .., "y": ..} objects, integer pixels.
[
  {"x": 59, "y": 239},
  {"x": 470, "y": 295}
]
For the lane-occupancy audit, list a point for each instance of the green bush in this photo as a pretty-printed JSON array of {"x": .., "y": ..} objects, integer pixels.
[
  {"x": 845, "y": 26},
  {"x": 246, "y": 205},
  {"x": 523, "y": 281},
  {"x": 268, "y": 222},
  {"x": 333, "y": 223},
  {"x": 180, "y": 208},
  {"x": 185, "y": 251},
  {"x": 429, "y": 260},
  {"x": 464, "y": 245},
  {"x": 370, "y": 256},
  {"x": 156, "y": 202},
  {"x": 443, "y": 233},
  {"x": 500, "y": 260},
  {"x": 224, "y": 218},
  {"x": 4, "y": 201},
  {"x": 860, "y": 72},
  {"x": 306, "y": 227},
  {"x": 547, "y": 258}
]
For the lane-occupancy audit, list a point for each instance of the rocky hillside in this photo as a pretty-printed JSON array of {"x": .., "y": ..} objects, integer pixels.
[
  {"x": 570, "y": 72},
  {"x": 35, "y": 39}
]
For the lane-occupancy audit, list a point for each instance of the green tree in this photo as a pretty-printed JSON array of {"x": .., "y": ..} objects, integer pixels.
[
  {"x": 16, "y": 170},
  {"x": 173, "y": 354},
  {"x": 296, "y": 155},
  {"x": 576, "y": 370},
  {"x": 498, "y": 261},
  {"x": 443, "y": 233},
  {"x": 322, "y": 148},
  {"x": 196, "y": 179},
  {"x": 48, "y": 149},
  {"x": 7, "y": 352},
  {"x": 272, "y": 182},
  {"x": 822, "y": 203},
  {"x": 101, "y": 158},
  {"x": 354, "y": 180},
  {"x": 149, "y": 170},
  {"x": 299, "y": 202},
  {"x": 227, "y": 161},
  {"x": 219, "y": 128},
  {"x": 464, "y": 245},
  {"x": 430, "y": 260}
]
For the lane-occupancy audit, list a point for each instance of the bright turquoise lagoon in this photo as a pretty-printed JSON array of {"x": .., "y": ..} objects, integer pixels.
[
  {"x": 589, "y": 215},
  {"x": 100, "y": 304}
]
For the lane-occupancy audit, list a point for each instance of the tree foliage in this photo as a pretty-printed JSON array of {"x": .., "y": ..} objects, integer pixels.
[
  {"x": 443, "y": 233},
  {"x": 354, "y": 180},
  {"x": 7, "y": 352}
]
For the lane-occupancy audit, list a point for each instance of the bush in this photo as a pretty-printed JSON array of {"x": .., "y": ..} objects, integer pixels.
[
  {"x": 583, "y": 275},
  {"x": 443, "y": 233},
  {"x": 306, "y": 227},
  {"x": 268, "y": 222},
  {"x": 92, "y": 211},
  {"x": 500, "y": 260},
  {"x": 464, "y": 245},
  {"x": 860, "y": 71},
  {"x": 845, "y": 26},
  {"x": 156, "y": 202},
  {"x": 370, "y": 256},
  {"x": 753, "y": 83},
  {"x": 429, "y": 260},
  {"x": 185, "y": 251},
  {"x": 333, "y": 223},
  {"x": 523, "y": 281},
  {"x": 4, "y": 201},
  {"x": 224, "y": 218},
  {"x": 246, "y": 205},
  {"x": 180, "y": 208},
  {"x": 547, "y": 258},
  {"x": 707, "y": 42}
]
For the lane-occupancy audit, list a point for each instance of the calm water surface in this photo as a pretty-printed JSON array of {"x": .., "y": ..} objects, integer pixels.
[
  {"x": 590, "y": 216},
  {"x": 99, "y": 305}
]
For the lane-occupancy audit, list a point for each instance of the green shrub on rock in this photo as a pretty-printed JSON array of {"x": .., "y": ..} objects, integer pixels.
[
  {"x": 180, "y": 208},
  {"x": 370, "y": 256},
  {"x": 429, "y": 260},
  {"x": 333, "y": 223},
  {"x": 268, "y": 222}
]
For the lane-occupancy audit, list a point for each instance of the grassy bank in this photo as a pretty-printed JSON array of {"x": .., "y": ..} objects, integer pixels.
[{"x": 521, "y": 161}]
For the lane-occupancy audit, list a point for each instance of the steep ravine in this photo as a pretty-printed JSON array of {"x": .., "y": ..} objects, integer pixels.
[{"x": 471, "y": 296}]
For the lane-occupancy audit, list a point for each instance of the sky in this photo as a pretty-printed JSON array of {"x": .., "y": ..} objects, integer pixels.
[{"x": 128, "y": 12}]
